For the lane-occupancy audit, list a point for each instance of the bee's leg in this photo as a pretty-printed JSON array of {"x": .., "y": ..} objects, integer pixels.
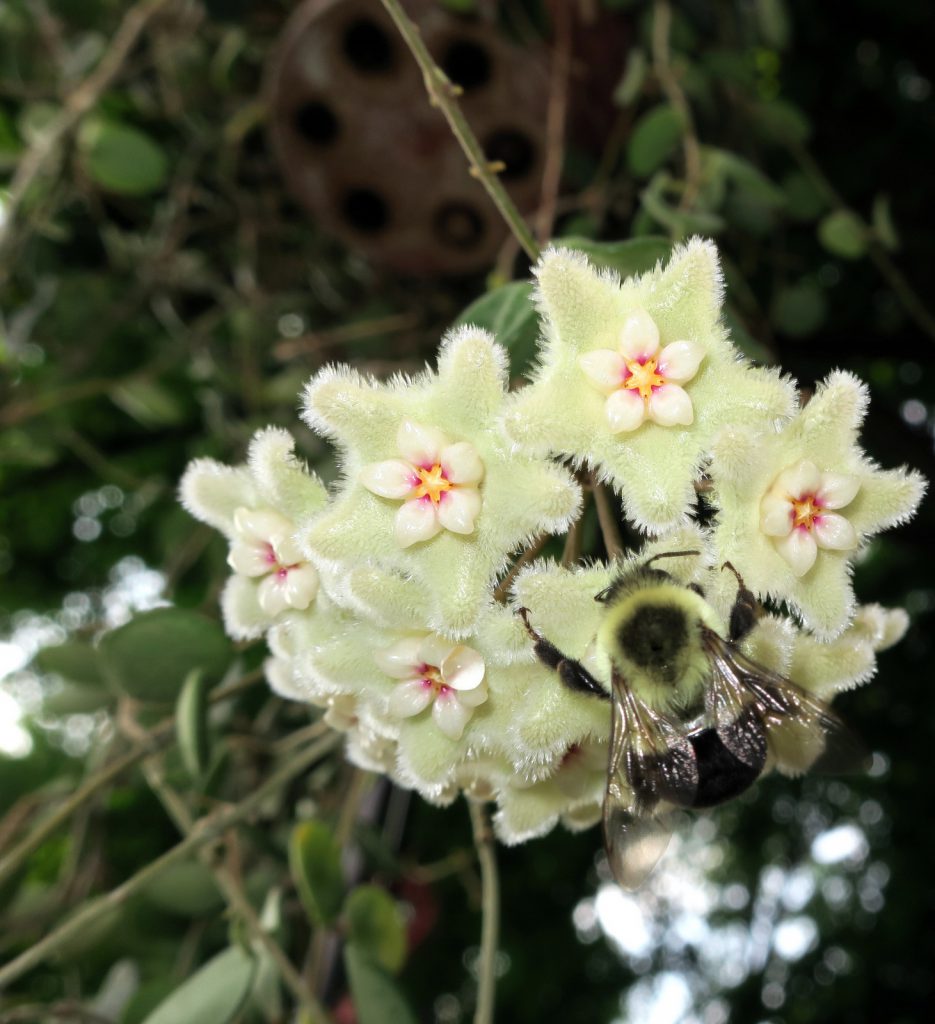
[
  {"x": 743, "y": 615},
  {"x": 572, "y": 673}
]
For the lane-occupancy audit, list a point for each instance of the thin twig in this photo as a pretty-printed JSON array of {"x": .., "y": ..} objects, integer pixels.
[
  {"x": 555, "y": 118},
  {"x": 205, "y": 831},
  {"x": 230, "y": 885},
  {"x": 79, "y": 101},
  {"x": 490, "y": 909},
  {"x": 610, "y": 528},
  {"x": 503, "y": 587},
  {"x": 443, "y": 94},
  {"x": 662, "y": 24},
  {"x": 159, "y": 736}
]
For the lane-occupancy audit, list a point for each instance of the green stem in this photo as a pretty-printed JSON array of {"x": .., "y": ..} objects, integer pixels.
[
  {"x": 442, "y": 94},
  {"x": 610, "y": 529},
  {"x": 233, "y": 891},
  {"x": 205, "y": 831},
  {"x": 490, "y": 910},
  {"x": 159, "y": 736}
]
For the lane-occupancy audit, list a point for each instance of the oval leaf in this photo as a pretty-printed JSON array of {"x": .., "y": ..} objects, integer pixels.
[
  {"x": 186, "y": 889},
  {"x": 120, "y": 158},
  {"x": 191, "y": 725},
  {"x": 655, "y": 137},
  {"x": 377, "y": 1000},
  {"x": 510, "y": 316},
  {"x": 634, "y": 256},
  {"x": 376, "y": 926},
  {"x": 151, "y": 656},
  {"x": 75, "y": 661},
  {"x": 844, "y": 234},
  {"x": 213, "y": 995},
  {"x": 315, "y": 862}
]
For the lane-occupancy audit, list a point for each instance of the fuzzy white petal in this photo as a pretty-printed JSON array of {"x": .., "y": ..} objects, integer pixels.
[
  {"x": 393, "y": 478},
  {"x": 416, "y": 520},
  {"x": 422, "y": 446},
  {"x": 250, "y": 558},
  {"x": 272, "y": 595},
  {"x": 837, "y": 489},
  {"x": 461, "y": 464},
  {"x": 799, "y": 550},
  {"x": 625, "y": 410},
  {"x": 680, "y": 360},
  {"x": 798, "y": 480},
  {"x": 300, "y": 586},
  {"x": 458, "y": 508},
  {"x": 451, "y": 716},
  {"x": 402, "y": 660},
  {"x": 434, "y": 649},
  {"x": 463, "y": 669},
  {"x": 670, "y": 405},
  {"x": 603, "y": 368},
  {"x": 776, "y": 516},
  {"x": 639, "y": 338},
  {"x": 409, "y": 698},
  {"x": 835, "y": 532}
]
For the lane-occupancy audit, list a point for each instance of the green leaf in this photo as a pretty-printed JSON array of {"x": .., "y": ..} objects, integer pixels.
[
  {"x": 77, "y": 700},
  {"x": 151, "y": 656},
  {"x": 213, "y": 995},
  {"x": 799, "y": 309},
  {"x": 376, "y": 926},
  {"x": 779, "y": 123},
  {"x": 121, "y": 158},
  {"x": 844, "y": 234},
  {"x": 883, "y": 227},
  {"x": 74, "y": 660},
  {"x": 191, "y": 725},
  {"x": 315, "y": 862},
  {"x": 634, "y": 256},
  {"x": 186, "y": 889},
  {"x": 148, "y": 402},
  {"x": 655, "y": 137},
  {"x": 772, "y": 20},
  {"x": 680, "y": 222},
  {"x": 377, "y": 1000},
  {"x": 804, "y": 201},
  {"x": 509, "y": 314},
  {"x": 750, "y": 179}
]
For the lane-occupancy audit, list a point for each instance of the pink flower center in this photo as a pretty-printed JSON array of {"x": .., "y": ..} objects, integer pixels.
[
  {"x": 432, "y": 680},
  {"x": 432, "y": 483},
  {"x": 641, "y": 376}
]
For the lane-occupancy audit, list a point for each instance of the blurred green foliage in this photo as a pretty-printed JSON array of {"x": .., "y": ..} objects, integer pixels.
[{"x": 161, "y": 296}]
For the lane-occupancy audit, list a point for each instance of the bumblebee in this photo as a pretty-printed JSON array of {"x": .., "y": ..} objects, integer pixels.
[{"x": 694, "y": 721}]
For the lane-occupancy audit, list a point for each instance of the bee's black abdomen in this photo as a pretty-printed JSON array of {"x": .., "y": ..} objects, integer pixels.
[{"x": 722, "y": 775}]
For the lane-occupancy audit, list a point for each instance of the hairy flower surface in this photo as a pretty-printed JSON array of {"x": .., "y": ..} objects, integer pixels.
[
  {"x": 479, "y": 500},
  {"x": 636, "y": 377},
  {"x": 794, "y": 505},
  {"x": 258, "y": 507}
]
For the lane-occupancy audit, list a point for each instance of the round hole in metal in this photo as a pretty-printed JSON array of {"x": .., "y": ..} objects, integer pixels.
[
  {"x": 368, "y": 47},
  {"x": 458, "y": 225},
  {"x": 467, "y": 64},
  {"x": 364, "y": 210},
  {"x": 515, "y": 149},
  {"x": 316, "y": 123}
]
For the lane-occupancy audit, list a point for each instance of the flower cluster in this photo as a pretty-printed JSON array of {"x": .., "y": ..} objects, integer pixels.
[{"x": 389, "y": 601}]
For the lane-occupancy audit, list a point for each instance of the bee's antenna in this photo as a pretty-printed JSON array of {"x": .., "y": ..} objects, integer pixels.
[{"x": 669, "y": 554}]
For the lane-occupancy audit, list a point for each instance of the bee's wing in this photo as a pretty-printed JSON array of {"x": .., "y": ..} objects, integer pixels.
[
  {"x": 650, "y": 768},
  {"x": 748, "y": 703}
]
